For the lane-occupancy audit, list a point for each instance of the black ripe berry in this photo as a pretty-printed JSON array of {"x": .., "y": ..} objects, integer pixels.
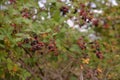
[
  {"x": 75, "y": 11},
  {"x": 64, "y": 10},
  {"x": 26, "y": 40},
  {"x": 99, "y": 54},
  {"x": 34, "y": 42},
  {"x": 35, "y": 36}
]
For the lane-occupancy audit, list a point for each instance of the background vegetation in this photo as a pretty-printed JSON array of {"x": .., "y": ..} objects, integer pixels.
[{"x": 36, "y": 42}]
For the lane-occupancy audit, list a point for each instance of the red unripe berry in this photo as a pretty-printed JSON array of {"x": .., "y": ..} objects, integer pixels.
[
  {"x": 82, "y": 11},
  {"x": 25, "y": 15},
  {"x": 41, "y": 44},
  {"x": 19, "y": 44},
  {"x": 12, "y": 1},
  {"x": 51, "y": 47},
  {"x": 82, "y": 5},
  {"x": 13, "y": 25},
  {"x": 56, "y": 53},
  {"x": 95, "y": 22},
  {"x": 106, "y": 26}
]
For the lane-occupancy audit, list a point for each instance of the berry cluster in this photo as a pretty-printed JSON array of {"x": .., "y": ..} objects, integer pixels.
[
  {"x": 94, "y": 45},
  {"x": 25, "y": 13},
  {"x": 87, "y": 16},
  {"x": 36, "y": 45},
  {"x": 98, "y": 53}
]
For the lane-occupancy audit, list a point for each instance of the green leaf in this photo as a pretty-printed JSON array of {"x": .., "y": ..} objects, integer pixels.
[
  {"x": 73, "y": 78},
  {"x": 75, "y": 48},
  {"x": 48, "y": 30},
  {"x": 25, "y": 74},
  {"x": 2, "y": 37},
  {"x": 1, "y": 45}
]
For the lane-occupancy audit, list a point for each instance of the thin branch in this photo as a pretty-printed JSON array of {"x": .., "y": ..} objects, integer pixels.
[
  {"x": 81, "y": 75},
  {"x": 66, "y": 67}
]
